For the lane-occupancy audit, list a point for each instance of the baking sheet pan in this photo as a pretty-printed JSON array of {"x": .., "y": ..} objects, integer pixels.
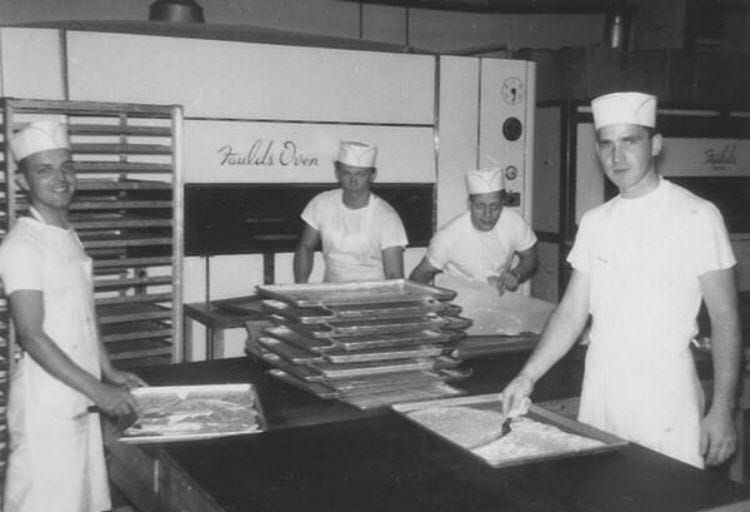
[
  {"x": 461, "y": 436},
  {"x": 334, "y": 370},
  {"x": 301, "y": 371},
  {"x": 343, "y": 294},
  {"x": 318, "y": 315},
  {"x": 184, "y": 413},
  {"x": 318, "y": 389},
  {"x": 382, "y": 354},
  {"x": 382, "y": 381},
  {"x": 307, "y": 343},
  {"x": 289, "y": 352},
  {"x": 390, "y": 397},
  {"x": 359, "y": 328},
  {"x": 423, "y": 337}
]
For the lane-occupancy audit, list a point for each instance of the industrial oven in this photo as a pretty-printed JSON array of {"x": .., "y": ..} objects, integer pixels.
[{"x": 706, "y": 150}]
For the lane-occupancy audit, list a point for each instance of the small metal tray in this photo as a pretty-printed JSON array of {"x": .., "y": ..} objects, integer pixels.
[
  {"x": 493, "y": 403},
  {"x": 345, "y": 294},
  {"x": 334, "y": 314},
  {"x": 184, "y": 413}
]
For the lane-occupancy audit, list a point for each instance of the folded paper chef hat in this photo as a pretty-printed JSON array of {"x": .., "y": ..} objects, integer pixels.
[
  {"x": 624, "y": 108},
  {"x": 39, "y": 136},
  {"x": 357, "y": 154},
  {"x": 483, "y": 181}
]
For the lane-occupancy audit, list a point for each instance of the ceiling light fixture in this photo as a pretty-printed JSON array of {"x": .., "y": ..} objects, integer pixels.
[{"x": 176, "y": 11}]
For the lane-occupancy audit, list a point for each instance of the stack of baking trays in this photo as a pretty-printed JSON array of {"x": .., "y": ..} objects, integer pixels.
[{"x": 368, "y": 344}]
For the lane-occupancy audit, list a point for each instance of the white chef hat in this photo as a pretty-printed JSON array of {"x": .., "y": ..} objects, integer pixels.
[
  {"x": 624, "y": 108},
  {"x": 357, "y": 154},
  {"x": 39, "y": 136},
  {"x": 483, "y": 181}
]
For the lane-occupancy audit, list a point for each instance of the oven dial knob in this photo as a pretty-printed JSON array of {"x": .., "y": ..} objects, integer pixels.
[
  {"x": 511, "y": 172},
  {"x": 512, "y": 129}
]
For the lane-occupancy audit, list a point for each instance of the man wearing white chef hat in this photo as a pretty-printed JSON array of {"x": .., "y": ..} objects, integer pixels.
[
  {"x": 56, "y": 455},
  {"x": 362, "y": 236},
  {"x": 483, "y": 243},
  {"x": 642, "y": 263}
]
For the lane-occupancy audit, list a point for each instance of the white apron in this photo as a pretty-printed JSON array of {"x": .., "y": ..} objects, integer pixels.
[
  {"x": 347, "y": 249},
  {"x": 640, "y": 381},
  {"x": 56, "y": 458},
  {"x": 482, "y": 254}
]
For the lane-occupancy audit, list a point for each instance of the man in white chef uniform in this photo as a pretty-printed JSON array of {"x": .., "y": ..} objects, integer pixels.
[
  {"x": 642, "y": 262},
  {"x": 56, "y": 455},
  {"x": 362, "y": 236},
  {"x": 483, "y": 243}
]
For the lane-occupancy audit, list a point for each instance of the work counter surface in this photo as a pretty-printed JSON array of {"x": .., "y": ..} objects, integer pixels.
[{"x": 325, "y": 455}]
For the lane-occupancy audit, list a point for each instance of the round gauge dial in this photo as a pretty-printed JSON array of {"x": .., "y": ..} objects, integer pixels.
[{"x": 512, "y": 91}]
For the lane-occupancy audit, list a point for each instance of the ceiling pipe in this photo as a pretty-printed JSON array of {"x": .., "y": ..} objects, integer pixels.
[{"x": 503, "y": 6}]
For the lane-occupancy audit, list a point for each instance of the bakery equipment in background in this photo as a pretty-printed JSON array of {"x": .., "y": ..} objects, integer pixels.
[{"x": 368, "y": 344}]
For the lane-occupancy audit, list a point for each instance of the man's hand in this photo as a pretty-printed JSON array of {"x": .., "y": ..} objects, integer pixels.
[
  {"x": 507, "y": 280},
  {"x": 114, "y": 400},
  {"x": 125, "y": 379},
  {"x": 718, "y": 436},
  {"x": 514, "y": 394}
]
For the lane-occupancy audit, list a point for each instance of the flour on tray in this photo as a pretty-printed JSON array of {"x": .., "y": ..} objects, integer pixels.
[{"x": 469, "y": 427}]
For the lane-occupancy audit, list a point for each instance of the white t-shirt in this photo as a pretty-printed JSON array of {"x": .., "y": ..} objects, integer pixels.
[
  {"x": 459, "y": 249},
  {"x": 352, "y": 240},
  {"x": 645, "y": 256}
]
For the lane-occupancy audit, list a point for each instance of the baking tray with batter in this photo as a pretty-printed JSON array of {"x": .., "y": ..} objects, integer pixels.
[
  {"x": 184, "y": 413},
  {"x": 474, "y": 424},
  {"x": 344, "y": 294}
]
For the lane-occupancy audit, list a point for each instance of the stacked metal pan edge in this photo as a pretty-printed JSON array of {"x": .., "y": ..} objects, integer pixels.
[{"x": 368, "y": 344}]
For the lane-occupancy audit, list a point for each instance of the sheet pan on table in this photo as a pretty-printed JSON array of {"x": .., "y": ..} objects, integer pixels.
[
  {"x": 493, "y": 402},
  {"x": 185, "y": 413}
]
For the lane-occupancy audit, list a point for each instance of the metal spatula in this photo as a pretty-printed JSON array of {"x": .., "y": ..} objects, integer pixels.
[{"x": 505, "y": 429}]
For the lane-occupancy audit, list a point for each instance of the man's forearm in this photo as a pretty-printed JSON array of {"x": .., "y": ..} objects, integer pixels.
[
  {"x": 559, "y": 335},
  {"x": 303, "y": 263},
  {"x": 525, "y": 268},
  {"x": 726, "y": 356}
]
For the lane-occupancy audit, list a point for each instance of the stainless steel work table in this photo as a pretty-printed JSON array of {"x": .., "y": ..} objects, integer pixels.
[{"x": 324, "y": 455}]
